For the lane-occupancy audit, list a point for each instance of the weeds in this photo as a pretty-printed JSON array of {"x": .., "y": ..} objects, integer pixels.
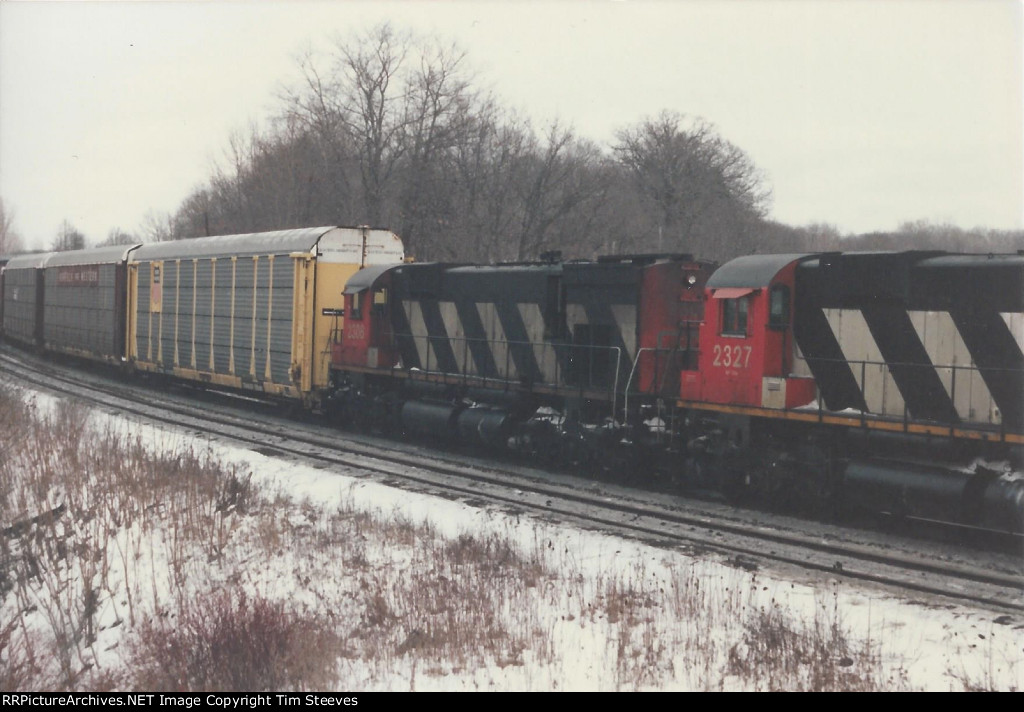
[
  {"x": 780, "y": 653},
  {"x": 87, "y": 511},
  {"x": 113, "y": 548},
  {"x": 232, "y": 642}
]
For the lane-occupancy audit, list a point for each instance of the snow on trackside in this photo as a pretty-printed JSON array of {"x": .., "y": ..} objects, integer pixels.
[
  {"x": 602, "y": 613},
  {"x": 928, "y": 642}
]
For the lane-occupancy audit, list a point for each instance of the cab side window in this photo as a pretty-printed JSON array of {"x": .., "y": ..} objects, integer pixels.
[
  {"x": 734, "y": 316},
  {"x": 778, "y": 314},
  {"x": 380, "y": 301}
]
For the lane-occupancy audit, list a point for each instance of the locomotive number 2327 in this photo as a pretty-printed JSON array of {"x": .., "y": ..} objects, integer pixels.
[{"x": 731, "y": 356}]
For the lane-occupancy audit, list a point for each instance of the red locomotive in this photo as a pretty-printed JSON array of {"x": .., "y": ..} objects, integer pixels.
[{"x": 887, "y": 379}]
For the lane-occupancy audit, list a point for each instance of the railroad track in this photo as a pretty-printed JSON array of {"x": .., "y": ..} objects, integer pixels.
[{"x": 745, "y": 539}]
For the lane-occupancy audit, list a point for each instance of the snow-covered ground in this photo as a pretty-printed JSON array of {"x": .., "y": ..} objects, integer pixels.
[{"x": 427, "y": 593}]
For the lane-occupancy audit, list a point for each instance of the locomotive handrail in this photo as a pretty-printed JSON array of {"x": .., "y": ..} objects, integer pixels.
[
  {"x": 557, "y": 357},
  {"x": 861, "y": 367},
  {"x": 960, "y": 367},
  {"x": 632, "y": 372}
]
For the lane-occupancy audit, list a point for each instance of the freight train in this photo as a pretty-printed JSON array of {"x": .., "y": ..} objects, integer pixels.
[{"x": 892, "y": 381}]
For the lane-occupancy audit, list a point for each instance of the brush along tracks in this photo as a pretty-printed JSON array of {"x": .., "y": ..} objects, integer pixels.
[{"x": 747, "y": 539}]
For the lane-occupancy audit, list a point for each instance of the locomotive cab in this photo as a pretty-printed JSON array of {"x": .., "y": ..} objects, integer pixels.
[
  {"x": 747, "y": 347},
  {"x": 365, "y": 338}
]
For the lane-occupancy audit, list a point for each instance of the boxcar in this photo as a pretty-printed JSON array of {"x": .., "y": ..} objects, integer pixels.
[
  {"x": 253, "y": 311},
  {"x": 84, "y": 303}
]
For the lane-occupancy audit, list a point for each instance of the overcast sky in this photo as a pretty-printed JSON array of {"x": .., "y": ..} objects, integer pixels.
[{"x": 861, "y": 114}]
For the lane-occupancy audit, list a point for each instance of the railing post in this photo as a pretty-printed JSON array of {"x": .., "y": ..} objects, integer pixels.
[
  {"x": 906, "y": 422},
  {"x": 863, "y": 393},
  {"x": 952, "y": 422},
  {"x": 590, "y": 366},
  {"x": 615, "y": 385},
  {"x": 821, "y": 403}
]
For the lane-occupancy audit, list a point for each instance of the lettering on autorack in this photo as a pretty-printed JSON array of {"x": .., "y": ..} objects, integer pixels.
[{"x": 86, "y": 276}]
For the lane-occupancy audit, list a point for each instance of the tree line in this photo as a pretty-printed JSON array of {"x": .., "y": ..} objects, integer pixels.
[{"x": 389, "y": 129}]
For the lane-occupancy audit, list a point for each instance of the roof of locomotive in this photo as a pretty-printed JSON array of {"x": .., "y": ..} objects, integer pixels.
[
  {"x": 759, "y": 270},
  {"x": 955, "y": 261},
  {"x": 366, "y": 278},
  {"x": 753, "y": 271},
  {"x": 513, "y": 268}
]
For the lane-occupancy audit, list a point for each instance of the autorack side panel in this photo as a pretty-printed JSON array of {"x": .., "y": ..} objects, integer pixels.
[
  {"x": 243, "y": 342},
  {"x": 3, "y": 262},
  {"x": 238, "y": 310},
  {"x": 24, "y": 280},
  {"x": 184, "y": 293},
  {"x": 205, "y": 276},
  {"x": 226, "y": 316},
  {"x": 280, "y": 317},
  {"x": 221, "y": 323},
  {"x": 197, "y": 321},
  {"x": 83, "y": 306},
  {"x": 139, "y": 345}
]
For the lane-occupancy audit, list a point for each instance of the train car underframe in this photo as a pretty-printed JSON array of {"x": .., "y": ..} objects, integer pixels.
[
  {"x": 825, "y": 467},
  {"x": 811, "y": 467}
]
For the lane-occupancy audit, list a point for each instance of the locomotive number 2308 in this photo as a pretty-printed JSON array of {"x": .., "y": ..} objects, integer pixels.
[{"x": 732, "y": 356}]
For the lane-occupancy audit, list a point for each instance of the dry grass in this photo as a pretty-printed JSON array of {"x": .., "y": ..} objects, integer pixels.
[
  {"x": 231, "y": 642},
  {"x": 115, "y": 547},
  {"x": 780, "y": 653},
  {"x": 87, "y": 512}
]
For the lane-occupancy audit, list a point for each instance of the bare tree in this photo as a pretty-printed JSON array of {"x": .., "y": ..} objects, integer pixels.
[
  {"x": 438, "y": 117},
  {"x": 313, "y": 109},
  {"x": 354, "y": 101},
  {"x": 389, "y": 129},
  {"x": 10, "y": 240},
  {"x": 68, "y": 238},
  {"x": 371, "y": 111},
  {"x": 157, "y": 227},
  {"x": 560, "y": 179},
  {"x": 700, "y": 184},
  {"x": 117, "y": 236},
  {"x": 194, "y": 218},
  {"x": 274, "y": 179}
]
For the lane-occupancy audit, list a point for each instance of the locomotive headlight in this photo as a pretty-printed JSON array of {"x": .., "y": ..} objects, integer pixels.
[{"x": 691, "y": 280}]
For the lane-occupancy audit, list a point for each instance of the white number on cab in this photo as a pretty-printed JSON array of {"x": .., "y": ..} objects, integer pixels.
[{"x": 732, "y": 356}]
